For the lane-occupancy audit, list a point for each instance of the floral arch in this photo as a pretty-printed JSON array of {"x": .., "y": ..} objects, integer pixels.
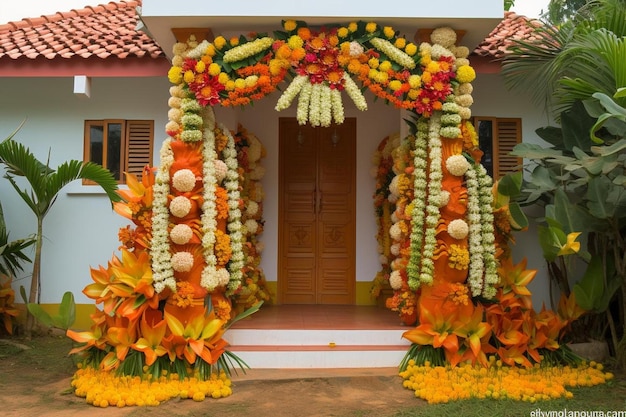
[{"x": 168, "y": 299}]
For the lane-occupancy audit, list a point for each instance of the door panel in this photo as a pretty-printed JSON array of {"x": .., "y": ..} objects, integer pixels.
[{"x": 317, "y": 211}]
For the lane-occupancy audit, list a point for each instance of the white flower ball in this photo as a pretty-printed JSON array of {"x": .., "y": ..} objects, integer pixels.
[
  {"x": 382, "y": 259},
  {"x": 252, "y": 208},
  {"x": 257, "y": 173},
  {"x": 182, "y": 261},
  {"x": 395, "y": 280},
  {"x": 457, "y": 165},
  {"x": 395, "y": 231},
  {"x": 443, "y": 36},
  {"x": 181, "y": 234},
  {"x": 184, "y": 180},
  {"x": 395, "y": 249},
  {"x": 180, "y": 206},
  {"x": 222, "y": 276},
  {"x": 220, "y": 170},
  {"x": 458, "y": 229},
  {"x": 252, "y": 226}
]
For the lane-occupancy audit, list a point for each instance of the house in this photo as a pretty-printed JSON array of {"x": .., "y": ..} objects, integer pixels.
[{"x": 75, "y": 76}]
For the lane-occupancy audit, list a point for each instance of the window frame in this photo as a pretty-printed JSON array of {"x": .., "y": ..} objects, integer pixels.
[{"x": 500, "y": 155}]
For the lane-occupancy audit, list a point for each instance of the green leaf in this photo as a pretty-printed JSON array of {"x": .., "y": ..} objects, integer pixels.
[
  {"x": 67, "y": 311},
  {"x": 519, "y": 221},
  {"x": 571, "y": 216},
  {"x": 511, "y": 184},
  {"x": 591, "y": 286},
  {"x": 40, "y": 314},
  {"x": 576, "y": 123},
  {"x": 598, "y": 198},
  {"x": 551, "y": 239}
]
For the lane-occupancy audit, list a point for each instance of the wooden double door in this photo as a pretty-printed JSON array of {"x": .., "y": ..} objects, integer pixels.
[{"x": 317, "y": 213}]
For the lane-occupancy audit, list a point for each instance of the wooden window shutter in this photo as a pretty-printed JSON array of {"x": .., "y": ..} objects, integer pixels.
[
  {"x": 508, "y": 133},
  {"x": 140, "y": 140}
]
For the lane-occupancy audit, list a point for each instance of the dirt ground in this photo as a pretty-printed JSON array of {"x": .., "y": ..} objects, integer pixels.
[{"x": 36, "y": 382}]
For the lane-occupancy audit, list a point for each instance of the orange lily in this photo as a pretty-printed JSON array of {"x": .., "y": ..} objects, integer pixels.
[
  {"x": 202, "y": 337},
  {"x": 122, "y": 339},
  {"x": 436, "y": 330},
  {"x": 150, "y": 343},
  {"x": 7, "y": 310},
  {"x": 476, "y": 332}
]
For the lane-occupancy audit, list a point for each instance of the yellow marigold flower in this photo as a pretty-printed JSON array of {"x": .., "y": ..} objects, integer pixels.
[
  {"x": 432, "y": 67},
  {"x": 175, "y": 75},
  {"x": 382, "y": 77},
  {"x": 342, "y": 32},
  {"x": 373, "y": 63},
  {"x": 458, "y": 257},
  {"x": 276, "y": 66},
  {"x": 415, "y": 81},
  {"x": 295, "y": 42},
  {"x": 400, "y": 43},
  {"x": 230, "y": 85},
  {"x": 410, "y": 49},
  {"x": 219, "y": 42},
  {"x": 385, "y": 66},
  {"x": 234, "y": 41},
  {"x": 352, "y": 27},
  {"x": 465, "y": 74},
  {"x": 200, "y": 66},
  {"x": 333, "y": 40},
  {"x": 395, "y": 85},
  {"x": 223, "y": 78},
  {"x": 371, "y": 27},
  {"x": 189, "y": 76},
  {"x": 214, "y": 69},
  {"x": 210, "y": 50},
  {"x": 240, "y": 83},
  {"x": 290, "y": 25},
  {"x": 427, "y": 77},
  {"x": 413, "y": 94},
  {"x": 388, "y": 32}
]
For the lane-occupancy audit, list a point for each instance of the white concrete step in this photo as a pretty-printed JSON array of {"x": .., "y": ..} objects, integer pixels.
[{"x": 318, "y": 348}]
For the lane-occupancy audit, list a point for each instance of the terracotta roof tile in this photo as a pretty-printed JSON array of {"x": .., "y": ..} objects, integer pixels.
[
  {"x": 105, "y": 31},
  {"x": 512, "y": 27}
]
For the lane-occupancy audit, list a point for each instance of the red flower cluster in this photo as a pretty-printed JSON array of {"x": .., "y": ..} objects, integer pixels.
[
  {"x": 320, "y": 62},
  {"x": 206, "y": 87}
]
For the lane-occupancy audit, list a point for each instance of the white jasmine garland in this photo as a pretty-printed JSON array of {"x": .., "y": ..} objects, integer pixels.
[
  {"x": 420, "y": 184},
  {"x": 284, "y": 101},
  {"x": 247, "y": 50},
  {"x": 191, "y": 136},
  {"x": 234, "y": 226},
  {"x": 198, "y": 51},
  {"x": 326, "y": 104},
  {"x": 437, "y": 51},
  {"x": 488, "y": 232},
  {"x": 354, "y": 92},
  {"x": 337, "y": 106},
  {"x": 304, "y": 101},
  {"x": 208, "y": 220},
  {"x": 396, "y": 55},
  {"x": 162, "y": 272},
  {"x": 315, "y": 110},
  {"x": 476, "y": 265},
  {"x": 451, "y": 132},
  {"x": 356, "y": 49},
  {"x": 191, "y": 121}
]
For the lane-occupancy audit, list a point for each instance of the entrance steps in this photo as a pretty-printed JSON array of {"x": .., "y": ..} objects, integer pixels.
[{"x": 319, "y": 337}]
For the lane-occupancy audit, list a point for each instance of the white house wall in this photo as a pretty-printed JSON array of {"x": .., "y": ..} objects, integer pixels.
[
  {"x": 81, "y": 229},
  {"x": 492, "y": 99}
]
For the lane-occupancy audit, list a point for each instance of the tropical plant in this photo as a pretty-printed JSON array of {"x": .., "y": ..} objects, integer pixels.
[
  {"x": 564, "y": 64},
  {"x": 45, "y": 184},
  {"x": 582, "y": 189}
]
